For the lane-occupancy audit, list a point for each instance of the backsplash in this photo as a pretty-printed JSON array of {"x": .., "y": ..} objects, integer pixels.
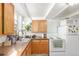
[{"x": 39, "y": 35}]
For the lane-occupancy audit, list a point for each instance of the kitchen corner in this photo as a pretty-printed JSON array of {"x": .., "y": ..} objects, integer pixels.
[
  {"x": 18, "y": 47},
  {"x": 14, "y": 49}
]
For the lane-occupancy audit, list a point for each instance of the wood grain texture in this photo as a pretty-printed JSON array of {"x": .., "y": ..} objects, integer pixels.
[
  {"x": 43, "y": 26},
  {"x": 27, "y": 51},
  {"x": 39, "y": 26},
  {"x": 39, "y": 46},
  {"x": 8, "y": 19},
  {"x": 35, "y": 46},
  {"x": 0, "y": 18},
  {"x": 44, "y": 47},
  {"x": 34, "y": 25}
]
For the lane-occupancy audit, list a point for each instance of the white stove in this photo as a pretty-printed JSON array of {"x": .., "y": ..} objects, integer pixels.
[{"x": 56, "y": 46}]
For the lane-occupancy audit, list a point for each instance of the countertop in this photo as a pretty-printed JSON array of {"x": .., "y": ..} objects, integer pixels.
[{"x": 16, "y": 49}]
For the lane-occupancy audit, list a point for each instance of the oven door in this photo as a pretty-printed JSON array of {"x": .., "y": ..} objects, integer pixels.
[{"x": 57, "y": 45}]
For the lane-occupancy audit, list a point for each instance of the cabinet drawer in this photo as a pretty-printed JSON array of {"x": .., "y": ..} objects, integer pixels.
[
  {"x": 35, "y": 40},
  {"x": 44, "y": 40}
]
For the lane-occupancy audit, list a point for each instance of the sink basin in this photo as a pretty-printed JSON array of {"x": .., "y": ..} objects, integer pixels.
[{"x": 25, "y": 39}]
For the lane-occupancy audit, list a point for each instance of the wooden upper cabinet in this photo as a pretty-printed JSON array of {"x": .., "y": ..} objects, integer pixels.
[
  {"x": 8, "y": 18},
  {"x": 0, "y": 19},
  {"x": 34, "y": 25},
  {"x": 43, "y": 26},
  {"x": 39, "y": 26}
]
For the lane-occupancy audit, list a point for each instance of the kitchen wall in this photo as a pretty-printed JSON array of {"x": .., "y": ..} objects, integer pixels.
[
  {"x": 62, "y": 29},
  {"x": 57, "y": 27},
  {"x": 52, "y": 29}
]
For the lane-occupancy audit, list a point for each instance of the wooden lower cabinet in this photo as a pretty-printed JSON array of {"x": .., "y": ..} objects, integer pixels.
[
  {"x": 24, "y": 53},
  {"x": 27, "y": 51},
  {"x": 43, "y": 47},
  {"x": 36, "y": 46},
  {"x": 40, "y": 46}
]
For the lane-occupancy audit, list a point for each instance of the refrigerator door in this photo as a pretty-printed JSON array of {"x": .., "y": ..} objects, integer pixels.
[{"x": 72, "y": 47}]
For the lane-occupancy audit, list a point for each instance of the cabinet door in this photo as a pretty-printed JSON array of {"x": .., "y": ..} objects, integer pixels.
[
  {"x": 35, "y": 46},
  {"x": 0, "y": 18},
  {"x": 24, "y": 53},
  {"x": 28, "y": 49},
  {"x": 43, "y": 46},
  {"x": 34, "y": 25},
  {"x": 8, "y": 18},
  {"x": 43, "y": 26}
]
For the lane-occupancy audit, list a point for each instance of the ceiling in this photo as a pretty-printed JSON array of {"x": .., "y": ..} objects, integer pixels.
[
  {"x": 47, "y": 10},
  {"x": 38, "y": 9},
  {"x": 70, "y": 11}
]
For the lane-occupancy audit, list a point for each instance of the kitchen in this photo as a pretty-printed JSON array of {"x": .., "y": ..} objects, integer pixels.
[{"x": 39, "y": 29}]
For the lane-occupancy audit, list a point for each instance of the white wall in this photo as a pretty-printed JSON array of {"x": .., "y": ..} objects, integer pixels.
[
  {"x": 52, "y": 27},
  {"x": 62, "y": 29},
  {"x": 57, "y": 28}
]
